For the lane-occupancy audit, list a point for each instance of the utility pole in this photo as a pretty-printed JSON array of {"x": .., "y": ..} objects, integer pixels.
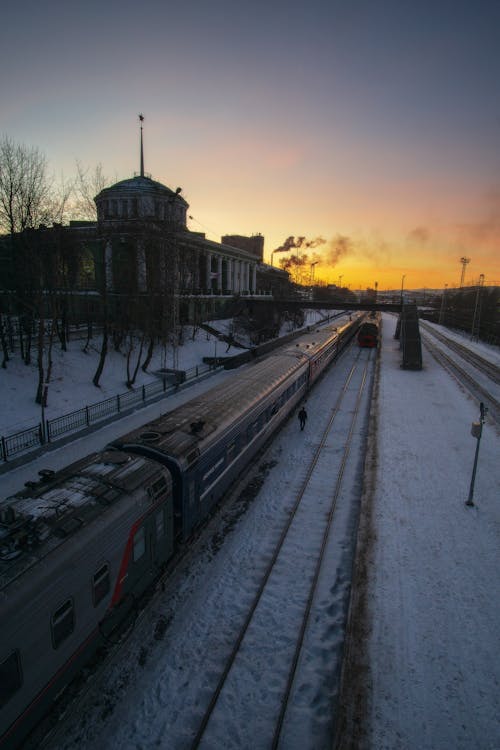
[
  {"x": 311, "y": 275},
  {"x": 476, "y": 431},
  {"x": 464, "y": 261},
  {"x": 474, "y": 334}
]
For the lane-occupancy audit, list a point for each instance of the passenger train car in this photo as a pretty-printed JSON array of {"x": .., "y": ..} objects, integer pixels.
[
  {"x": 79, "y": 547},
  {"x": 368, "y": 333}
]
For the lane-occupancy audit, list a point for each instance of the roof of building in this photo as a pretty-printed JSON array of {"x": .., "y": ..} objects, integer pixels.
[{"x": 140, "y": 185}]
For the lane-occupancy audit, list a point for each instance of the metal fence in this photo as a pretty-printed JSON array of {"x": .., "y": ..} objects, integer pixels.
[{"x": 53, "y": 429}]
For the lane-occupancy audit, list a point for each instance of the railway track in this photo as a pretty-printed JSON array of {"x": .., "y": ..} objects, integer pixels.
[
  {"x": 480, "y": 391},
  {"x": 331, "y": 504},
  {"x": 287, "y": 604},
  {"x": 481, "y": 364}
]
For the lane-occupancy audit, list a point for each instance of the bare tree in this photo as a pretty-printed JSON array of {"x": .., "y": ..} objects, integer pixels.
[
  {"x": 25, "y": 187},
  {"x": 131, "y": 375},
  {"x": 87, "y": 185},
  {"x": 59, "y": 199}
]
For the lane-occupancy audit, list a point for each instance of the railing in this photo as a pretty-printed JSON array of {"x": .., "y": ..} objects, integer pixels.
[{"x": 37, "y": 436}]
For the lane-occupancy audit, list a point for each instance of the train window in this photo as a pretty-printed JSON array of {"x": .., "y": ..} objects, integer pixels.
[
  {"x": 100, "y": 584},
  {"x": 139, "y": 544},
  {"x": 160, "y": 523},
  {"x": 62, "y": 623},
  {"x": 11, "y": 677}
]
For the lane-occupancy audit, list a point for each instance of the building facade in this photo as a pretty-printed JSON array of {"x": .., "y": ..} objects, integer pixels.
[{"x": 139, "y": 247}]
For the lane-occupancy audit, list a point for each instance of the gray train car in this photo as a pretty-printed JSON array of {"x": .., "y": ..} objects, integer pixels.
[
  {"x": 76, "y": 550},
  {"x": 207, "y": 443}
]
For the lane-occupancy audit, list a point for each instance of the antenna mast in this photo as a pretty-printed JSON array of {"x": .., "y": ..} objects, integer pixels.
[{"x": 141, "y": 120}]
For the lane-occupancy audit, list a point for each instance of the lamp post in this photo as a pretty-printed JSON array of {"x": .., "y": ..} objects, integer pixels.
[
  {"x": 402, "y": 284},
  {"x": 476, "y": 431},
  {"x": 340, "y": 280}
]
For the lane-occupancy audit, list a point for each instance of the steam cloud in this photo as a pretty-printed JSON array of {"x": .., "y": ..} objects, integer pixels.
[
  {"x": 338, "y": 247},
  {"x": 328, "y": 253},
  {"x": 420, "y": 235},
  {"x": 292, "y": 243}
]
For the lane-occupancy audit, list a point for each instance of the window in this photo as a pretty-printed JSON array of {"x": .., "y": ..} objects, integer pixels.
[
  {"x": 11, "y": 677},
  {"x": 139, "y": 544},
  {"x": 63, "y": 623},
  {"x": 160, "y": 523},
  {"x": 100, "y": 584}
]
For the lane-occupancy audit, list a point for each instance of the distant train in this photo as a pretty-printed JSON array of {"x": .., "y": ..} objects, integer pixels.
[
  {"x": 79, "y": 547},
  {"x": 368, "y": 333}
]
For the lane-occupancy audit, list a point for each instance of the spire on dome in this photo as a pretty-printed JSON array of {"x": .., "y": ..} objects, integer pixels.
[{"x": 141, "y": 120}]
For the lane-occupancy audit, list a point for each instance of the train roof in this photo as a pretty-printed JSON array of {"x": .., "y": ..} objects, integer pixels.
[
  {"x": 187, "y": 430},
  {"x": 49, "y": 512}
]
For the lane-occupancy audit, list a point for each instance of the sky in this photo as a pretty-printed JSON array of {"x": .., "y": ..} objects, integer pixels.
[{"x": 372, "y": 126}]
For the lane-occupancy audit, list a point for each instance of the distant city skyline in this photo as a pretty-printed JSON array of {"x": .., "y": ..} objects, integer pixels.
[{"x": 375, "y": 127}]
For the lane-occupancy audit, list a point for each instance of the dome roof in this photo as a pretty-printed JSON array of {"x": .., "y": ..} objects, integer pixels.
[{"x": 135, "y": 186}]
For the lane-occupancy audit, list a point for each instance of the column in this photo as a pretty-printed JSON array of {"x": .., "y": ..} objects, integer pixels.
[
  {"x": 237, "y": 275},
  {"x": 254, "y": 278},
  {"x": 219, "y": 272},
  {"x": 229, "y": 275},
  {"x": 208, "y": 280}
]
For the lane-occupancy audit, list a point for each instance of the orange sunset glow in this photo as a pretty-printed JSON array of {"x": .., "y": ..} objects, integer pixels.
[{"x": 374, "y": 129}]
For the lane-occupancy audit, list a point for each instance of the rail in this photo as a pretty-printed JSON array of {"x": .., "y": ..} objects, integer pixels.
[{"x": 52, "y": 430}]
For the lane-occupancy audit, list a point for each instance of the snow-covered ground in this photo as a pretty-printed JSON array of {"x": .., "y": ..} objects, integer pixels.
[
  {"x": 71, "y": 386},
  {"x": 423, "y": 660},
  {"x": 426, "y": 651}
]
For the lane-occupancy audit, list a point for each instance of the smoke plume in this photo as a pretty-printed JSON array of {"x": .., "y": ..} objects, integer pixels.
[
  {"x": 292, "y": 243},
  {"x": 338, "y": 248}
]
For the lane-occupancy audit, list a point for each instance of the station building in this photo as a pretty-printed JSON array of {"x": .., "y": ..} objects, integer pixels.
[{"x": 139, "y": 247}]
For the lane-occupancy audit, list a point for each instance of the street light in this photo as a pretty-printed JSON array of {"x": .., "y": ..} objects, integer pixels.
[
  {"x": 476, "y": 431},
  {"x": 340, "y": 280},
  {"x": 402, "y": 283}
]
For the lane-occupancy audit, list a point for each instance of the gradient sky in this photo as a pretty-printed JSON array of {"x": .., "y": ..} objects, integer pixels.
[{"x": 374, "y": 122}]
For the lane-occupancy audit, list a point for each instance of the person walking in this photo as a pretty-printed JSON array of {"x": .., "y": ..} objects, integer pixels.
[{"x": 302, "y": 418}]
